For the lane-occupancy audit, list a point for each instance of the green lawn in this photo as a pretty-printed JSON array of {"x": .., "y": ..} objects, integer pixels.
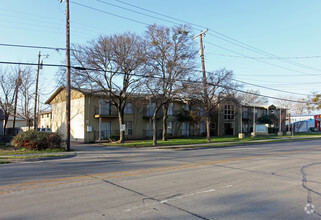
[
  {"x": 183, "y": 141},
  {"x": 9, "y": 150},
  {"x": 202, "y": 140}
]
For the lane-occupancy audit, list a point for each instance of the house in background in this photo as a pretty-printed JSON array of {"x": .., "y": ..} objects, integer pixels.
[
  {"x": 44, "y": 123},
  {"x": 19, "y": 123}
]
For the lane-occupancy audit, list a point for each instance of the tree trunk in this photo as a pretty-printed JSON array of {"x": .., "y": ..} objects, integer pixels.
[
  {"x": 121, "y": 121},
  {"x": 164, "y": 132},
  {"x": 154, "y": 128},
  {"x": 5, "y": 125},
  {"x": 208, "y": 131}
]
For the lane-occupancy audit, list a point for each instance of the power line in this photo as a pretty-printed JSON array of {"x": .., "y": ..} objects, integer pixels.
[
  {"x": 166, "y": 16},
  {"x": 127, "y": 9},
  {"x": 148, "y": 76},
  {"x": 277, "y": 90},
  {"x": 271, "y": 64},
  {"x": 269, "y": 58},
  {"x": 32, "y": 46},
  {"x": 225, "y": 37},
  {"x": 105, "y": 12}
]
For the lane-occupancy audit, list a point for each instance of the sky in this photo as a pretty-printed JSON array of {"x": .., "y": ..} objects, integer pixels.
[{"x": 272, "y": 46}]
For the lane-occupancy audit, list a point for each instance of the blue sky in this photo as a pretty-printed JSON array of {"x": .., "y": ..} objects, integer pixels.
[{"x": 287, "y": 29}]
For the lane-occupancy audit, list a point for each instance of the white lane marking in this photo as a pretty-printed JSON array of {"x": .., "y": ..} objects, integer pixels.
[{"x": 228, "y": 186}]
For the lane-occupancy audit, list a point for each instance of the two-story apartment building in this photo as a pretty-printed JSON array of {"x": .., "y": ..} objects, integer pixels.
[{"x": 93, "y": 117}]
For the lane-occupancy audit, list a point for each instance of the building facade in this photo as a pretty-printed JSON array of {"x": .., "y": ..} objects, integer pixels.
[{"x": 95, "y": 118}]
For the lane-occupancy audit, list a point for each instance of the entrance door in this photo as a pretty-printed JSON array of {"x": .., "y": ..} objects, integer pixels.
[
  {"x": 105, "y": 130},
  {"x": 228, "y": 129}
]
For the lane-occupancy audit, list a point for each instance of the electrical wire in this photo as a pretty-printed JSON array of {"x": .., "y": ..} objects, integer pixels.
[
  {"x": 149, "y": 76},
  {"x": 268, "y": 58},
  {"x": 32, "y": 46},
  {"x": 105, "y": 12},
  {"x": 224, "y": 37},
  {"x": 264, "y": 87}
]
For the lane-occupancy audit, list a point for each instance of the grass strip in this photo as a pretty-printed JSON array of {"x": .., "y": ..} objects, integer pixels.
[
  {"x": 30, "y": 156},
  {"x": 9, "y": 150}
]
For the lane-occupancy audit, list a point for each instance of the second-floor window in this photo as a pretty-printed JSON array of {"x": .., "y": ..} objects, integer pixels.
[
  {"x": 245, "y": 113},
  {"x": 150, "y": 108},
  {"x": 104, "y": 107},
  {"x": 229, "y": 112},
  {"x": 128, "y": 108}
]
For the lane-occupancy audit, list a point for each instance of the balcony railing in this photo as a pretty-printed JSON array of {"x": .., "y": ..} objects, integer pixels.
[
  {"x": 106, "y": 112},
  {"x": 148, "y": 113}
]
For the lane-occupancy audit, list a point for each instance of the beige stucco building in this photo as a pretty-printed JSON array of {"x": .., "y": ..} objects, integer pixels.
[{"x": 94, "y": 118}]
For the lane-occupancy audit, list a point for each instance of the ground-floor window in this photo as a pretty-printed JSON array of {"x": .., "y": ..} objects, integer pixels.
[
  {"x": 185, "y": 129},
  {"x": 169, "y": 127},
  {"x": 105, "y": 130},
  {"x": 129, "y": 127},
  {"x": 201, "y": 127}
]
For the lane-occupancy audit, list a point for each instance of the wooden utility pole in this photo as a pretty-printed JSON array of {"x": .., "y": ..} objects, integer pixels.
[
  {"x": 67, "y": 75},
  {"x": 36, "y": 95},
  {"x": 206, "y": 104}
]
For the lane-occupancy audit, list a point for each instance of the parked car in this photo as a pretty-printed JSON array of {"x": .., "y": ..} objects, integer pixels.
[{"x": 44, "y": 129}]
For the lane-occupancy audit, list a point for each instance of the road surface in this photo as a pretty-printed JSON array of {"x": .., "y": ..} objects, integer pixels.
[{"x": 264, "y": 181}]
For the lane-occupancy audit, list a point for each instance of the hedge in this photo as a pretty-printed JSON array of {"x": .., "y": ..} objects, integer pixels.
[{"x": 36, "y": 140}]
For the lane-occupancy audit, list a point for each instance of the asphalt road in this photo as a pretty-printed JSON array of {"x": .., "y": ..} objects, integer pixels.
[{"x": 263, "y": 181}]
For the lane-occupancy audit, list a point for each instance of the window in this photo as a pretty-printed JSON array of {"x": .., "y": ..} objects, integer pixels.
[
  {"x": 186, "y": 107},
  {"x": 169, "y": 127},
  {"x": 229, "y": 112},
  {"x": 150, "y": 108},
  {"x": 129, "y": 127},
  {"x": 104, "y": 107},
  {"x": 264, "y": 112},
  {"x": 185, "y": 129},
  {"x": 245, "y": 113},
  {"x": 201, "y": 111},
  {"x": 201, "y": 127},
  {"x": 170, "y": 110},
  {"x": 128, "y": 108}
]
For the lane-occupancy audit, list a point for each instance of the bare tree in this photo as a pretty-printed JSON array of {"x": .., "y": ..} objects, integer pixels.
[
  {"x": 171, "y": 56},
  {"x": 219, "y": 87},
  {"x": 298, "y": 106},
  {"x": 253, "y": 97},
  {"x": 26, "y": 89},
  {"x": 109, "y": 67},
  {"x": 8, "y": 88}
]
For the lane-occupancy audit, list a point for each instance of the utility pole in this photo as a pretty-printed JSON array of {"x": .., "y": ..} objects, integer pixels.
[
  {"x": 67, "y": 75},
  {"x": 36, "y": 94},
  {"x": 207, "y": 104}
]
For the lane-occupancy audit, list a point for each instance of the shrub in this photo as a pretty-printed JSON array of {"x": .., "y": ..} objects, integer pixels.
[
  {"x": 114, "y": 138},
  {"x": 273, "y": 130},
  {"x": 35, "y": 140}
]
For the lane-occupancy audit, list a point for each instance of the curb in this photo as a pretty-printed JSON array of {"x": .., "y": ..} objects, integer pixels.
[{"x": 61, "y": 156}]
